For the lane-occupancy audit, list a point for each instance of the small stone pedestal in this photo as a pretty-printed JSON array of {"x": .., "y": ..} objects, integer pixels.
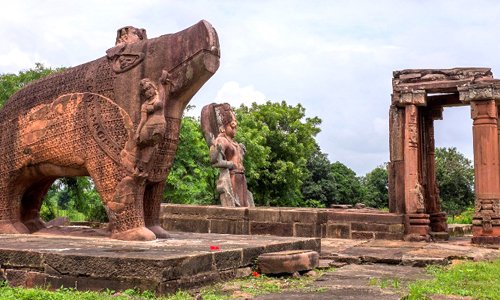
[
  {"x": 287, "y": 261},
  {"x": 418, "y": 224}
]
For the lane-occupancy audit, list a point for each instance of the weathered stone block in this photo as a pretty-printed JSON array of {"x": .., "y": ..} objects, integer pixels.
[
  {"x": 362, "y": 235},
  {"x": 193, "y": 282},
  {"x": 369, "y": 227},
  {"x": 231, "y": 213},
  {"x": 264, "y": 214},
  {"x": 306, "y": 230},
  {"x": 250, "y": 254},
  {"x": 228, "y": 259},
  {"x": 301, "y": 216},
  {"x": 13, "y": 258},
  {"x": 381, "y": 218},
  {"x": 229, "y": 226},
  {"x": 287, "y": 261},
  {"x": 396, "y": 228},
  {"x": 186, "y": 224},
  {"x": 342, "y": 231},
  {"x": 388, "y": 236},
  {"x": 185, "y": 209},
  {"x": 278, "y": 229}
]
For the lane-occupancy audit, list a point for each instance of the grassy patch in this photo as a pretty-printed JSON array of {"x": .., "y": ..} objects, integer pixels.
[
  {"x": 251, "y": 285},
  {"x": 18, "y": 293},
  {"x": 260, "y": 285},
  {"x": 480, "y": 280}
]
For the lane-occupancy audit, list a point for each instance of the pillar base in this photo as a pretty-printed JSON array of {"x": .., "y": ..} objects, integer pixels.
[
  {"x": 486, "y": 228},
  {"x": 417, "y": 227},
  {"x": 438, "y": 222}
]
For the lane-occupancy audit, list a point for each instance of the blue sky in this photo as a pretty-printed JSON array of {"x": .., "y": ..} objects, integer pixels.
[{"x": 334, "y": 57}]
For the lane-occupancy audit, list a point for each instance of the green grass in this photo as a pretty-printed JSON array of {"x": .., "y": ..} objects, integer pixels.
[
  {"x": 251, "y": 285},
  {"x": 480, "y": 280},
  {"x": 18, "y": 293}
]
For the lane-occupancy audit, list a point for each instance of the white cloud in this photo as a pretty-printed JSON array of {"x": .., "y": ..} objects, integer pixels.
[{"x": 232, "y": 93}]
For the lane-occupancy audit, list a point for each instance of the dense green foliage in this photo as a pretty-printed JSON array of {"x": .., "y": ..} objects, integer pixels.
[
  {"x": 288, "y": 139},
  {"x": 376, "y": 187},
  {"x": 455, "y": 176},
  {"x": 192, "y": 180},
  {"x": 480, "y": 280}
]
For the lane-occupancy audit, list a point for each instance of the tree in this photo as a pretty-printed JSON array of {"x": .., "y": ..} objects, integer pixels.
[
  {"x": 376, "y": 187},
  {"x": 11, "y": 83},
  {"x": 319, "y": 188},
  {"x": 455, "y": 177},
  {"x": 192, "y": 180},
  {"x": 348, "y": 188},
  {"x": 279, "y": 139}
]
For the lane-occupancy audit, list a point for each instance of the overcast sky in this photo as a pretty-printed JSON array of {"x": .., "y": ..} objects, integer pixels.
[{"x": 334, "y": 57}]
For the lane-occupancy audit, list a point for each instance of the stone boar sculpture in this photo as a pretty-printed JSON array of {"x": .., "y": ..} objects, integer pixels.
[{"x": 116, "y": 119}]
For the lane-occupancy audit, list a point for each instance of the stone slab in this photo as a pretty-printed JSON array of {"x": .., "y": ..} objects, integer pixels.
[
  {"x": 418, "y": 254},
  {"x": 185, "y": 260},
  {"x": 354, "y": 282}
]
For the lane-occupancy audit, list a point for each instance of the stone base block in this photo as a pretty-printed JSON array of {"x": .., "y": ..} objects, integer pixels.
[
  {"x": 287, "y": 262},
  {"x": 186, "y": 260}
]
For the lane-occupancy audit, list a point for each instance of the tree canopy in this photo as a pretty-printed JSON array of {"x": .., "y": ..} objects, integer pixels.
[
  {"x": 286, "y": 140},
  {"x": 455, "y": 177}
]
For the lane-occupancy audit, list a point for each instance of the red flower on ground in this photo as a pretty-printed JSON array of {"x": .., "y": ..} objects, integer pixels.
[{"x": 255, "y": 274}]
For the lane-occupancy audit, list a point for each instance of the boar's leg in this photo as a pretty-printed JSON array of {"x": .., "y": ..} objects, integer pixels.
[
  {"x": 32, "y": 202},
  {"x": 122, "y": 197},
  {"x": 153, "y": 196},
  {"x": 10, "y": 207}
]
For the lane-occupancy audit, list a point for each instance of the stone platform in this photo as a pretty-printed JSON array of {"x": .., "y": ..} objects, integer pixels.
[
  {"x": 283, "y": 221},
  {"x": 186, "y": 260}
]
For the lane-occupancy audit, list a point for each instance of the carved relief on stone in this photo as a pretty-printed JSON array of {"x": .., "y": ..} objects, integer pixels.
[
  {"x": 219, "y": 127},
  {"x": 419, "y": 196},
  {"x": 115, "y": 119}
]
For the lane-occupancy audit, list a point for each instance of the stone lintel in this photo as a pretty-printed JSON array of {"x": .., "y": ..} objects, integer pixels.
[{"x": 478, "y": 93}]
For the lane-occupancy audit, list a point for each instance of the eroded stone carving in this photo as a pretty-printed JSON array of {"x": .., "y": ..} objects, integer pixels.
[
  {"x": 219, "y": 127},
  {"x": 116, "y": 119}
]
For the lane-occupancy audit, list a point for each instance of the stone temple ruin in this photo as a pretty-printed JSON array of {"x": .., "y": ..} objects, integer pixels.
[
  {"x": 418, "y": 99},
  {"x": 117, "y": 119}
]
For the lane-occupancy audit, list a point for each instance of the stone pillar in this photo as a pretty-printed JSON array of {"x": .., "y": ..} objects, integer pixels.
[
  {"x": 486, "y": 219},
  {"x": 433, "y": 207},
  {"x": 396, "y": 165},
  {"x": 417, "y": 222}
]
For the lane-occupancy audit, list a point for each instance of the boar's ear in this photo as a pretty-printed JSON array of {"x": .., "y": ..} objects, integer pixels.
[{"x": 143, "y": 32}]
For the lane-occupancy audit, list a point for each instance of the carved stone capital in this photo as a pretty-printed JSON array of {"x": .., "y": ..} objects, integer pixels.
[
  {"x": 416, "y": 97},
  {"x": 468, "y": 94},
  {"x": 483, "y": 110}
]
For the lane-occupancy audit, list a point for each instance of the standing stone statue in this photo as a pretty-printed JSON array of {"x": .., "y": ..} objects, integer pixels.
[
  {"x": 219, "y": 127},
  {"x": 116, "y": 119}
]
